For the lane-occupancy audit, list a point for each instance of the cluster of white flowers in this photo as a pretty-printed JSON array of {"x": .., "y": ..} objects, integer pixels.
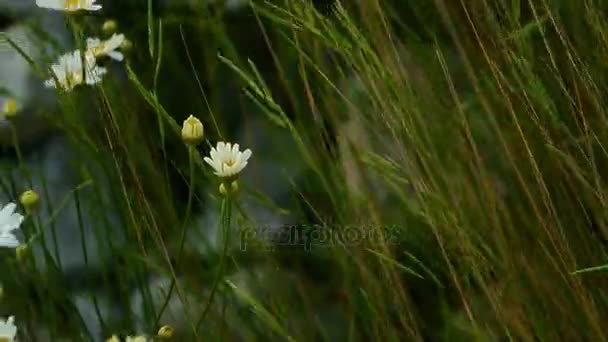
[
  {"x": 80, "y": 67},
  {"x": 73, "y": 69},
  {"x": 9, "y": 222}
]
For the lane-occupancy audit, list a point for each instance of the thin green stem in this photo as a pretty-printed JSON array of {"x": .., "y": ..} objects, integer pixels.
[
  {"x": 225, "y": 222},
  {"x": 182, "y": 243}
]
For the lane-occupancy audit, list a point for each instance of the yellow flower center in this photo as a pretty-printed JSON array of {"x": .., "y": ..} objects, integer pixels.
[
  {"x": 228, "y": 163},
  {"x": 71, "y": 5},
  {"x": 10, "y": 107},
  {"x": 73, "y": 79},
  {"x": 99, "y": 49}
]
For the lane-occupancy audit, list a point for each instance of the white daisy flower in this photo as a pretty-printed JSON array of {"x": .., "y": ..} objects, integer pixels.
[
  {"x": 227, "y": 160},
  {"x": 9, "y": 221},
  {"x": 69, "y": 71},
  {"x": 106, "y": 48},
  {"x": 69, "y": 5},
  {"x": 8, "y": 330}
]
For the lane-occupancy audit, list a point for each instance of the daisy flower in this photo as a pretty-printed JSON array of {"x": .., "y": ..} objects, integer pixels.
[
  {"x": 9, "y": 221},
  {"x": 69, "y": 71},
  {"x": 8, "y": 330},
  {"x": 69, "y": 5},
  {"x": 227, "y": 160},
  {"x": 107, "y": 47}
]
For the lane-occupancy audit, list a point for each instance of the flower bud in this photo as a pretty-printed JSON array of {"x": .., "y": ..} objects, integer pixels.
[
  {"x": 22, "y": 252},
  {"x": 126, "y": 45},
  {"x": 166, "y": 332},
  {"x": 192, "y": 131},
  {"x": 9, "y": 108},
  {"x": 30, "y": 200},
  {"x": 234, "y": 186},
  {"x": 224, "y": 190},
  {"x": 109, "y": 26}
]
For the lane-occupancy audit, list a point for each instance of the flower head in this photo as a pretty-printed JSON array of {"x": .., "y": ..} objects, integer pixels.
[
  {"x": 107, "y": 47},
  {"x": 109, "y": 26},
  {"x": 227, "y": 160},
  {"x": 69, "y": 5},
  {"x": 192, "y": 130},
  {"x": 30, "y": 200},
  {"x": 9, "y": 221},
  {"x": 8, "y": 330},
  {"x": 166, "y": 332},
  {"x": 70, "y": 71}
]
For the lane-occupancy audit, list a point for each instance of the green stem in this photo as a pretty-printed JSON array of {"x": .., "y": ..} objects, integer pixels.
[
  {"x": 191, "y": 151},
  {"x": 225, "y": 222},
  {"x": 20, "y": 160}
]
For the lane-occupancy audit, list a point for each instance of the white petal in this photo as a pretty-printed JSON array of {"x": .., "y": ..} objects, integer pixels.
[
  {"x": 209, "y": 161},
  {"x": 246, "y": 154},
  {"x": 11, "y": 224},
  {"x": 52, "y": 4},
  {"x": 227, "y": 150},
  {"x": 7, "y": 211},
  {"x": 214, "y": 156},
  {"x": 240, "y": 167},
  {"x": 93, "y": 43},
  {"x": 221, "y": 147},
  {"x": 10, "y": 241},
  {"x": 115, "y": 55},
  {"x": 115, "y": 41}
]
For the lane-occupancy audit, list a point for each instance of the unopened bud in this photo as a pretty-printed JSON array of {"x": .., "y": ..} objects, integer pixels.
[
  {"x": 166, "y": 332},
  {"x": 234, "y": 186},
  {"x": 126, "y": 45},
  {"x": 30, "y": 200},
  {"x": 192, "y": 130},
  {"x": 224, "y": 190},
  {"x": 109, "y": 27}
]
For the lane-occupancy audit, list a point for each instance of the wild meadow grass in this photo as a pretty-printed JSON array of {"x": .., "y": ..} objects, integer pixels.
[{"x": 461, "y": 144}]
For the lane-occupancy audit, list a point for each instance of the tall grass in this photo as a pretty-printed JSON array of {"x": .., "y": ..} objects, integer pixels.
[{"x": 459, "y": 143}]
